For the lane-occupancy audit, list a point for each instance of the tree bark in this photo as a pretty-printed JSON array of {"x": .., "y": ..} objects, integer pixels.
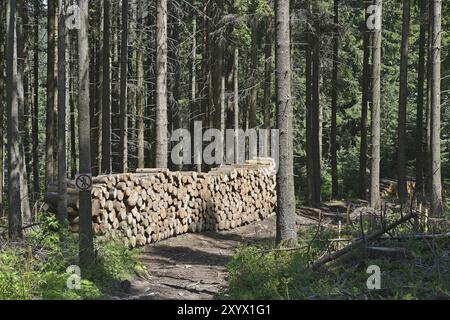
[
  {"x": 403, "y": 101},
  {"x": 427, "y": 156},
  {"x": 70, "y": 72},
  {"x": 286, "y": 228},
  {"x": 35, "y": 122},
  {"x": 436, "y": 184},
  {"x": 308, "y": 126},
  {"x": 315, "y": 123},
  {"x": 123, "y": 148},
  {"x": 334, "y": 97},
  {"x": 236, "y": 105},
  {"x": 205, "y": 95},
  {"x": 174, "y": 84},
  {"x": 217, "y": 49},
  {"x": 62, "y": 164},
  {"x": 86, "y": 232},
  {"x": 14, "y": 137},
  {"x": 21, "y": 34},
  {"x": 2, "y": 99},
  {"x": 115, "y": 87},
  {"x": 52, "y": 93},
  {"x": 106, "y": 107},
  {"x": 140, "y": 88},
  {"x": 161, "y": 85},
  {"x": 196, "y": 112},
  {"x": 364, "y": 113},
  {"x": 254, "y": 68},
  {"x": 222, "y": 118},
  {"x": 420, "y": 100},
  {"x": 376, "y": 114},
  {"x": 98, "y": 124},
  {"x": 268, "y": 69}
]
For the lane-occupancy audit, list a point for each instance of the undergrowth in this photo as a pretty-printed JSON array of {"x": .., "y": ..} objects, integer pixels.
[
  {"x": 265, "y": 271},
  {"x": 36, "y": 268}
]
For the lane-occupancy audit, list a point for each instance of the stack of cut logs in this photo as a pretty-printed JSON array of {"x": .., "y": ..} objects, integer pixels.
[{"x": 151, "y": 205}]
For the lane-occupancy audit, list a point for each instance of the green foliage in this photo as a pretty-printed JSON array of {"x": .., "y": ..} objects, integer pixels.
[
  {"x": 349, "y": 88},
  {"x": 115, "y": 263},
  {"x": 37, "y": 268},
  {"x": 347, "y": 167},
  {"x": 326, "y": 181},
  {"x": 265, "y": 272},
  {"x": 264, "y": 9},
  {"x": 17, "y": 279},
  {"x": 258, "y": 275}
]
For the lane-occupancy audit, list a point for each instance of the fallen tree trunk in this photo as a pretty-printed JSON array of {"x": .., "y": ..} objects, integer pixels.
[
  {"x": 358, "y": 243},
  {"x": 418, "y": 237}
]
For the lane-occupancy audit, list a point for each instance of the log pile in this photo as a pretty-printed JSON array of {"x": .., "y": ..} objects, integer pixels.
[{"x": 152, "y": 205}]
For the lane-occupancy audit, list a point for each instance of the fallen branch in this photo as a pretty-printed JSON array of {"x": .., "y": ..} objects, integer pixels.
[
  {"x": 360, "y": 242},
  {"x": 32, "y": 225},
  {"x": 284, "y": 249},
  {"x": 418, "y": 237}
]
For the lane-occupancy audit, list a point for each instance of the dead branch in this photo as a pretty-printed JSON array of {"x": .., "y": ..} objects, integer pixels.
[{"x": 360, "y": 242}]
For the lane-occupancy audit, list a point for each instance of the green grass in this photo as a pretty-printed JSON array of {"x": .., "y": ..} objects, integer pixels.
[
  {"x": 262, "y": 272},
  {"x": 36, "y": 267}
]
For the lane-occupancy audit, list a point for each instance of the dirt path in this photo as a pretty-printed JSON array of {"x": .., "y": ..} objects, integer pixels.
[{"x": 193, "y": 266}]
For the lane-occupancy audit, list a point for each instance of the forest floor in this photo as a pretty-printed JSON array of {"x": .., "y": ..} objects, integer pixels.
[
  {"x": 193, "y": 266},
  {"x": 196, "y": 266}
]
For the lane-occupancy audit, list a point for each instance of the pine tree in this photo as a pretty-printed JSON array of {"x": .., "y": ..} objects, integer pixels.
[{"x": 286, "y": 228}]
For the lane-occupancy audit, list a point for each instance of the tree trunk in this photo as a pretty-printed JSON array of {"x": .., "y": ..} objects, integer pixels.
[
  {"x": 364, "y": 113},
  {"x": 140, "y": 88},
  {"x": 315, "y": 123},
  {"x": 217, "y": 67},
  {"x": 2, "y": 99},
  {"x": 334, "y": 97},
  {"x": 123, "y": 148},
  {"x": 195, "y": 114},
  {"x": 254, "y": 69},
  {"x": 308, "y": 126},
  {"x": 236, "y": 106},
  {"x": 427, "y": 156},
  {"x": 376, "y": 112},
  {"x": 62, "y": 164},
  {"x": 106, "y": 107},
  {"x": 206, "y": 72},
  {"x": 35, "y": 122},
  {"x": 174, "y": 84},
  {"x": 99, "y": 115},
  {"x": 21, "y": 35},
  {"x": 70, "y": 72},
  {"x": 94, "y": 94},
  {"x": 161, "y": 85},
  {"x": 86, "y": 232},
  {"x": 403, "y": 101},
  {"x": 115, "y": 88},
  {"x": 14, "y": 137},
  {"x": 420, "y": 100},
  {"x": 268, "y": 69},
  {"x": 52, "y": 93},
  {"x": 436, "y": 184},
  {"x": 286, "y": 228}
]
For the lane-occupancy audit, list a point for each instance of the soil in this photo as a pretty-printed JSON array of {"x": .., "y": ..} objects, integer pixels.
[{"x": 193, "y": 266}]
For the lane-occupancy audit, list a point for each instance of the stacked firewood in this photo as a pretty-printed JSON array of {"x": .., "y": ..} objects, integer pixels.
[{"x": 152, "y": 205}]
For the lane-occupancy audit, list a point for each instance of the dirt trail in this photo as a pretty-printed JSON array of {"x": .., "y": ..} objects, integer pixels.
[{"x": 193, "y": 266}]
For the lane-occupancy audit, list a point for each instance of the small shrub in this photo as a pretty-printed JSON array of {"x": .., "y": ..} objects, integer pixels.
[
  {"x": 259, "y": 272},
  {"x": 36, "y": 268}
]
